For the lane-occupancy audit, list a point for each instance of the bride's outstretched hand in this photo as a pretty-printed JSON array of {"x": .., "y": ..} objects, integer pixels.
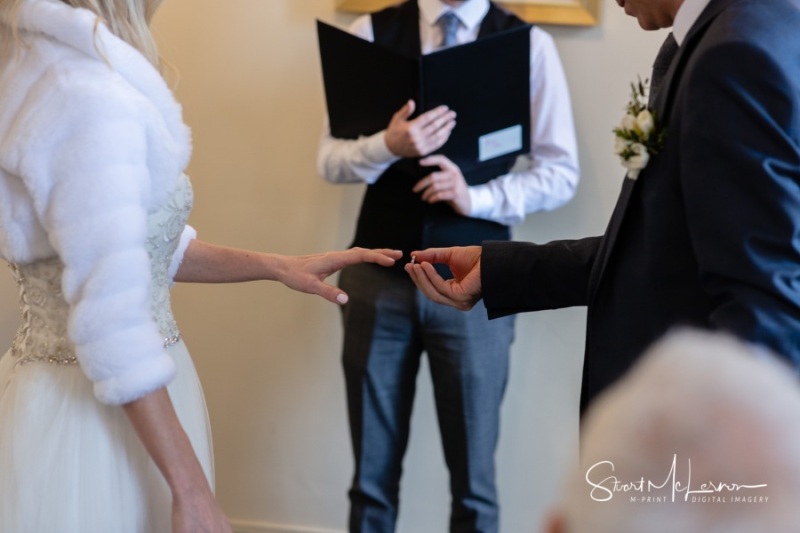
[
  {"x": 461, "y": 292},
  {"x": 307, "y": 273}
]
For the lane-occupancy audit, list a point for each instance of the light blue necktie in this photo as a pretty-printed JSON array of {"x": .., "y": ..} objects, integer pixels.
[{"x": 449, "y": 23}]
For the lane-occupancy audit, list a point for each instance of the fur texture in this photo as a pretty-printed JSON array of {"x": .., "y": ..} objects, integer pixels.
[{"x": 91, "y": 140}]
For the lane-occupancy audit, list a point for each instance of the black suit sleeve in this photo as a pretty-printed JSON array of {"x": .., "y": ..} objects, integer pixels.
[
  {"x": 740, "y": 177},
  {"x": 518, "y": 277}
]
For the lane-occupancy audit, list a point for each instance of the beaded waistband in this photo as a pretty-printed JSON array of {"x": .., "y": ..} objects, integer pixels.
[
  {"x": 62, "y": 355},
  {"x": 42, "y": 337}
]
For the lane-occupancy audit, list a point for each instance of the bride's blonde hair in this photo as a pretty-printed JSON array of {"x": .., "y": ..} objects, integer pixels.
[{"x": 127, "y": 19}]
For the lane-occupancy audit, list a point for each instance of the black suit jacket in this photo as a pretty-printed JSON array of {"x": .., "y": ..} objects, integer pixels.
[{"x": 709, "y": 233}]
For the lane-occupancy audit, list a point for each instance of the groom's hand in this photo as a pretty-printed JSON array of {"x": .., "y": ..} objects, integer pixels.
[{"x": 461, "y": 292}]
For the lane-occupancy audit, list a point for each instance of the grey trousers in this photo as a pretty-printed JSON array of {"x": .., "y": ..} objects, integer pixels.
[{"x": 388, "y": 324}]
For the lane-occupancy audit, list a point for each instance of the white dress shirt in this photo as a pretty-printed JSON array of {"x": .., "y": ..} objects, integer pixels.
[
  {"x": 687, "y": 15},
  {"x": 547, "y": 178}
]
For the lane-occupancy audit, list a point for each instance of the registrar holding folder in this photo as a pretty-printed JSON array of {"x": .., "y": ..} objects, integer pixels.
[
  {"x": 430, "y": 103},
  {"x": 366, "y": 83}
]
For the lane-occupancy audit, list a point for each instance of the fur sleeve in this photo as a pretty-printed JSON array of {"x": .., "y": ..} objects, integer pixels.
[
  {"x": 85, "y": 164},
  {"x": 188, "y": 235}
]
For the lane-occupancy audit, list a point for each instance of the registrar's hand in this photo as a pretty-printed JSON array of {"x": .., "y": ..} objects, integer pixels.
[
  {"x": 445, "y": 185},
  {"x": 461, "y": 292},
  {"x": 422, "y": 135}
]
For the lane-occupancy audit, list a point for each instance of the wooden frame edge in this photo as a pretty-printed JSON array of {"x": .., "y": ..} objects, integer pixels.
[{"x": 575, "y": 13}]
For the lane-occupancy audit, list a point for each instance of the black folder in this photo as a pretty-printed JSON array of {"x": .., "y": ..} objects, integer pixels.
[{"x": 486, "y": 82}]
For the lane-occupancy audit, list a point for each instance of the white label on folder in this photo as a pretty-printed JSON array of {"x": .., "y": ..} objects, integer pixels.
[{"x": 500, "y": 142}]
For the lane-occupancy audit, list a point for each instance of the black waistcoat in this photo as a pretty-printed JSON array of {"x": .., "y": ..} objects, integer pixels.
[{"x": 391, "y": 215}]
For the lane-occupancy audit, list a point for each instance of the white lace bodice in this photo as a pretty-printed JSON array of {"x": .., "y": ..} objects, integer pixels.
[{"x": 42, "y": 337}]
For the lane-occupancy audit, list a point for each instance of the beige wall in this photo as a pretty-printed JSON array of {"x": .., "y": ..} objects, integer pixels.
[{"x": 268, "y": 357}]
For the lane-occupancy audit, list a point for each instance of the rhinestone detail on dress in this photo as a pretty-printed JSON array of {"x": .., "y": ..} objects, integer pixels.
[{"x": 42, "y": 337}]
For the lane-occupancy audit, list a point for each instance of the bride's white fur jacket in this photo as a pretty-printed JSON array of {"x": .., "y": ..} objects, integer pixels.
[{"x": 91, "y": 140}]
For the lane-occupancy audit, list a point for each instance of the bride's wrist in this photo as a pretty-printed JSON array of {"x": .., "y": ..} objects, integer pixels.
[{"x": 189, "y": 483}]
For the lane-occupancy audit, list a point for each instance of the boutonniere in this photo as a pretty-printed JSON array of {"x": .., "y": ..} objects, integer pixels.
[{"x": 639, "y": 136}]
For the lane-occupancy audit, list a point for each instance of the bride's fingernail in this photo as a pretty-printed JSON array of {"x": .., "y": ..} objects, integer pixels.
[{"x": 342, "y": 298}]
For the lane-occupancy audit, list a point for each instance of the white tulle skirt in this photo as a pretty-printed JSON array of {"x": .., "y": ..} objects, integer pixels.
[{"x": 69, "y": 464}]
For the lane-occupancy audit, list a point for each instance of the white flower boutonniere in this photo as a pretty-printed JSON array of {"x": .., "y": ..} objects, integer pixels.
[{"x": 639, "y": 136}]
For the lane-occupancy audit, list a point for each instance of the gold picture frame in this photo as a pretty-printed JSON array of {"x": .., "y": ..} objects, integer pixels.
[{"x": 566, "y": 12}]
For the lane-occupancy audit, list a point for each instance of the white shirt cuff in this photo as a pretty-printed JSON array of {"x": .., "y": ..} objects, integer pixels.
[
  {"x": 376, "y": 151},
  {"x": 481, "y": 201}
]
